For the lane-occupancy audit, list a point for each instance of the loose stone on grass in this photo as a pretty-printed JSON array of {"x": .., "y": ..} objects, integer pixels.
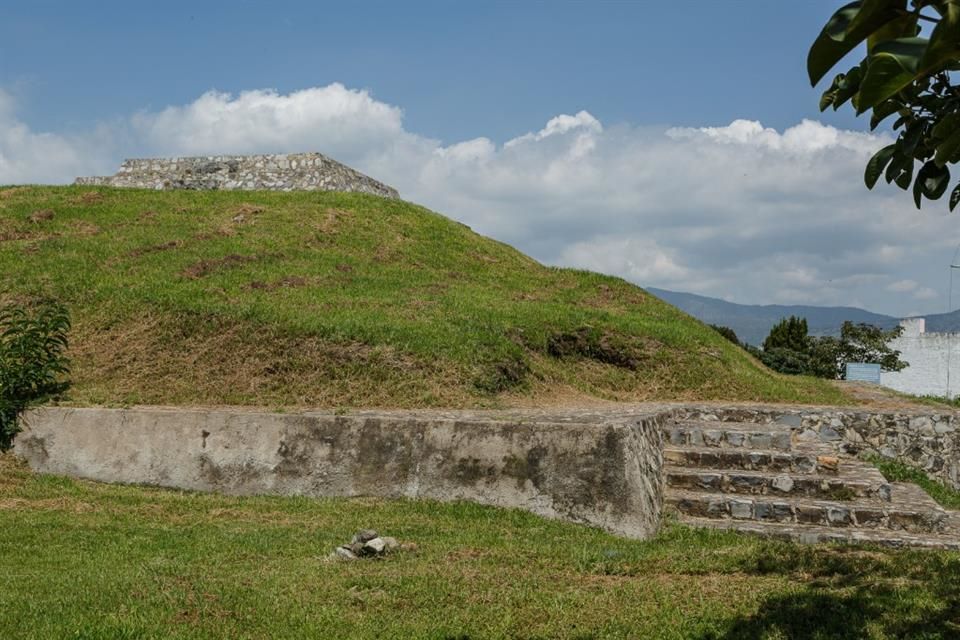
[{"x": 367, "y": 543}]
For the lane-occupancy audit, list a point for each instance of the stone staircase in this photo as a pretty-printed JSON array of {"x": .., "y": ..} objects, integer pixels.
[{"x": 758, "y": 478}]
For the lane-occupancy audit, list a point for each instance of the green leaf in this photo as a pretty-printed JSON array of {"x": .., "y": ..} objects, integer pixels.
[
  {"x": 935, "y": 180},
  {"x": 830, "y": 94},
  {"x": 905, "y": 176},
  {"x": 911, "y": 137},
  {"x": 849, "y": 26},
  {"x": 954, "y": 197},
  {"x": 829, "y": 47},
  {"x": 944, "y": 39},
  {"x": 847, "y": 87},
  {"x": 883, "y": 111},
  {"x": 945, "y": 128},
  {"x": 900, "y": 169},
  {"x": 903, "y": 27},
  {"x": 877, "y": 164},
  {"x": 827, "y": 99},
  {"x": 948, "y": 149},
  {"x": 931, "y": 182},
  {"x": 891, "y": 67}
]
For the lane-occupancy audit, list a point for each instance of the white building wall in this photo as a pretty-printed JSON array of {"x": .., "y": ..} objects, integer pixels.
[{"x": 929, "y": 355}]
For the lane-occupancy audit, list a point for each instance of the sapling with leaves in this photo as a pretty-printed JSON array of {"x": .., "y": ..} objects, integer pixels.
[{"x": 33, "y": 361}]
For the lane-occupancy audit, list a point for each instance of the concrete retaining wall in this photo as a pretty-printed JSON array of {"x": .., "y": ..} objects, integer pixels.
[
  {"x": 927, "y": 440},
  {"x": 599, "y": 470}
]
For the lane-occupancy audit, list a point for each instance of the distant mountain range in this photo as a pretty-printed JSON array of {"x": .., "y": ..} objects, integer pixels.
[{"x": 752, "y": 322}]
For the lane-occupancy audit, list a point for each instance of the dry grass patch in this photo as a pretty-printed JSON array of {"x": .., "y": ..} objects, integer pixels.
[
  {"x": 41, "y": 215},
  {"x": 142, "y": 361},
  {"x": 203, "y": 268},
  {"x": 88, "y": 198}
]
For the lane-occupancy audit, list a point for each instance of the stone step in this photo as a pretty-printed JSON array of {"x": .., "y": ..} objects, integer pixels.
[
  {"x": 797, "y": 461},
  {"x": 729, "y": 434},
  {"x": 812, "y": 534},
  {"x": 849, "y": 483},
  {"x": 903, "y": 513}
]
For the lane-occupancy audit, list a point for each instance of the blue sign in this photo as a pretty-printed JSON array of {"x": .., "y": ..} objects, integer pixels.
[{"x": 863, "y": 372}]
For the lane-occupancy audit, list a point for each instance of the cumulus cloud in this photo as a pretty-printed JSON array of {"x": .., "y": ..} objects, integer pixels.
[
  {"x": 741, "y": 211},
  {"x": 30, "y": 157},
  {"x": 342, "y": 120}
]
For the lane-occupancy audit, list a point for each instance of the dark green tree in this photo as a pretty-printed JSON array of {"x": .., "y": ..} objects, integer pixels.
[
  {"x": 33, "y": 342},
  {"x": 727, "y": 333},
  {"x": 866, "y": 343},
  {"x": 788, "y": 349},
  {"x": 790, "y": 333},
  {"x": 786, "y": 360},
  {"x": 906, "y": 75}
]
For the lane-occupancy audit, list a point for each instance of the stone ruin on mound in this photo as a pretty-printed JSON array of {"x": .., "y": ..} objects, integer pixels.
[{"x": 285, "y": 172}]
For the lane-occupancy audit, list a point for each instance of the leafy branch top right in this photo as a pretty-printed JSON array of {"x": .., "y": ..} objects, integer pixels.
[{"x": 903, "y": 75}]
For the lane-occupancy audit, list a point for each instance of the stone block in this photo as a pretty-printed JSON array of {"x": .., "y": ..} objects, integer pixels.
[
  {"x": 741, "y": 509},
  {"x": 708, "y": 437}
]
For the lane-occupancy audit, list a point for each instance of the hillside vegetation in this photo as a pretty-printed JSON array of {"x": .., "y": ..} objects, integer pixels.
[{"x": 343, "y": 300}]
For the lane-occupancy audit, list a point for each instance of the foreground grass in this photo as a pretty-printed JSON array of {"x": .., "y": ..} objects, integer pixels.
[
  {"x": 87, "y": 560},
  {"x": 327, "y": 299},
  {"x": 898, "y": 472}
]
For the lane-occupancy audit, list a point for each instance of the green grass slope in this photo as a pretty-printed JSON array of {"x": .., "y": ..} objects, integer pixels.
[{"x": 343, "y": 300}]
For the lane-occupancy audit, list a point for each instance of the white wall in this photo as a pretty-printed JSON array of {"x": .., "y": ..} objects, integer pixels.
[{"x": 928, "y": 355}]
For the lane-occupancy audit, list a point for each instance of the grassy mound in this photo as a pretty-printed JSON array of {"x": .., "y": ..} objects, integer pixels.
[{"x": 338, "y": 300}]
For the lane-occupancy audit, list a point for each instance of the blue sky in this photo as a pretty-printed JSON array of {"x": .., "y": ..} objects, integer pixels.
[
  {"x": 674, "y": 144},
  {"x": 458, "y": 69}
]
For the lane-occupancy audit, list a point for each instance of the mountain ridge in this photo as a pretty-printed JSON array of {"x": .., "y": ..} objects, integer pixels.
[{"x": 752, "y": 322}]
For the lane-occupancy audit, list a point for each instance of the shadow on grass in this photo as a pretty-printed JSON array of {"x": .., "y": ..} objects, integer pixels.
[{"x": 854, "y": 593}]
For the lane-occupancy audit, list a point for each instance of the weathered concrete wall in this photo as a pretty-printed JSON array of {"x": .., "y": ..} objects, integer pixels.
[
  {"x": 599, "y": 470},
  {"x": 288, "y": 172},
  {"x": 934, "y": 362},
  {"x": 927, "y": 440}
]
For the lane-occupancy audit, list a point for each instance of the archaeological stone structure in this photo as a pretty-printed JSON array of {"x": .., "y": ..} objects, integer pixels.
[
  {"x": 799, "y": 473},
  {"x": 285, "y": 172}
]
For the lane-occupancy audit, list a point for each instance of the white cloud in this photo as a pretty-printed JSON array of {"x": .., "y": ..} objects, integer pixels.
[
  {"x": 741, "y": 211},
  {"x": 340, "y": 119},
  {"x": 637, "y": 259},
  {"x": 559, "y": 125},
  {"x": 28, "y": 157},
  {"x": 902, "y": 286}
]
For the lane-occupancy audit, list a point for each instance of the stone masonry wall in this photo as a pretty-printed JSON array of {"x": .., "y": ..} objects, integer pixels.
[
  {"x": 288, "y": 172},
  {"x": 596, "y": 469},
  {"x": 929, "y": 441}
]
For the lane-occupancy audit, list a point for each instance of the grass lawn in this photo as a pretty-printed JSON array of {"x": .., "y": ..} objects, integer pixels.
[
  {"x": 87, "y": 560},
  {"x": 344, "y": 300}
]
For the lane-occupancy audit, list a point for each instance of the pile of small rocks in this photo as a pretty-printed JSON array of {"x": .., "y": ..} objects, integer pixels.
[{"x": 367, "y": 543}]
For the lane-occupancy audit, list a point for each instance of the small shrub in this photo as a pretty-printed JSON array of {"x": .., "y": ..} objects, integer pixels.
[
  {"x": 503, "y": 374},
  {"x": 33, "y": 342}
]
